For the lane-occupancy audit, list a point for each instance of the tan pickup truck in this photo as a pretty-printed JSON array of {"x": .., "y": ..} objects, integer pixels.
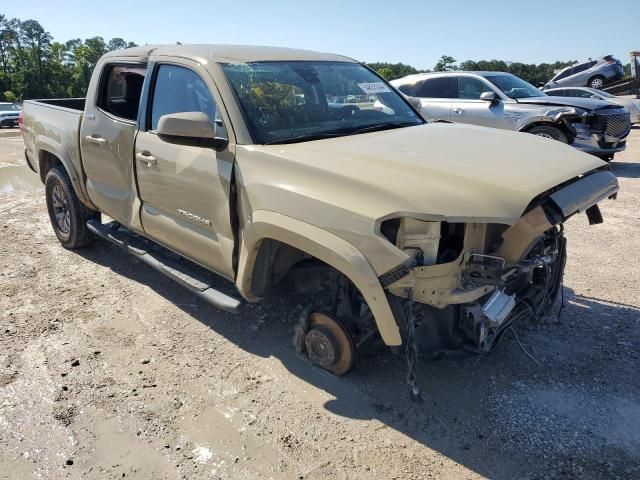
[{"x": 283, "y": 169}]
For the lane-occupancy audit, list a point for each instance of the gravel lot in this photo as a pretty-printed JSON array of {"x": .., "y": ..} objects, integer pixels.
[{"x": 109, "y": 370}]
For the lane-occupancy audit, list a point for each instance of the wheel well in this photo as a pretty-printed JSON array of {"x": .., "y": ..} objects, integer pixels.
[
  {"x": 281, "y": 269},
  {"x": 46, "y": 161},
  {"x": 288, "y": 268},
  {"x": 560, "y": 126}
]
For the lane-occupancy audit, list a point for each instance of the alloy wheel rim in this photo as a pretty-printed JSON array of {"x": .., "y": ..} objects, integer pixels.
[
  {"x": 545, "y": 135},
  {"x": 597, "y": 83},
  {"x": 61, "y": 209}
]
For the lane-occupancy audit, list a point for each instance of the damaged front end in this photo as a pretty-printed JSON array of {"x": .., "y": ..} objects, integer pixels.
[
  {"x": 465, "y": 283},
  {"x": 600, "y": 132}
]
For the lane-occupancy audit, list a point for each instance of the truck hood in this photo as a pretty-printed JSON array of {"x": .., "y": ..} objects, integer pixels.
[
  {"x": 439, "y": 170},
  {"x": 589, "y": 104}
]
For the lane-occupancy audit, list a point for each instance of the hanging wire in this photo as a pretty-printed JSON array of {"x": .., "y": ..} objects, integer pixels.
[{"x": 411, "y": 353}]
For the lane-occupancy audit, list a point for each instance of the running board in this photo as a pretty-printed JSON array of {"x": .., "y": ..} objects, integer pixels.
[{"x": 181, "y": 270}]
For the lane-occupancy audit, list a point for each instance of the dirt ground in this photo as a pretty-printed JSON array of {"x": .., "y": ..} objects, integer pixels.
[{"x": 109, "y": 370}]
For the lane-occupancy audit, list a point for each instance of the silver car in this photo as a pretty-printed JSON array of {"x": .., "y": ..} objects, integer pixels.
[
  {"x": 630, "y": 103},
  {"x": 9, "y": 113},
  {"x": 502, "y": 100},
  {"x": 592, "y": 73}
]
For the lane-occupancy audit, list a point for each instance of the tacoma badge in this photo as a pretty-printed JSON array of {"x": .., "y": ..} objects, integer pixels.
[{"x": 195, "y": 217}]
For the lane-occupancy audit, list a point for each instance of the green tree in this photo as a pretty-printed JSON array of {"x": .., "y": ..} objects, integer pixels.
[
  {"x": 9, "y": 96},
  {"x": 33, "y": 65},
  {"x": 391, "y": 71},
  {"x": 532, "y": 73},
  {"x": 445, "y": 64}
]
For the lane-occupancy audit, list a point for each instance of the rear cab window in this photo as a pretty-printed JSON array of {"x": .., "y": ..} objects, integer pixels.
[{"x": 120, "y": 90}]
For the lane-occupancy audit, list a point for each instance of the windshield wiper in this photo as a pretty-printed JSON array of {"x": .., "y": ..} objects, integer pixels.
[
  {"x": 304, "y": 138},
  {"x": 382, "y": 126},
  {"x": 341, "y": 133}
]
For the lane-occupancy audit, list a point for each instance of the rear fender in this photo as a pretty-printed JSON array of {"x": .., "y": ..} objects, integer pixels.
[{"x": 49, "y": 154}]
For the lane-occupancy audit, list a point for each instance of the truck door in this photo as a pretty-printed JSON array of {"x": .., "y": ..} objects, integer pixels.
[
  {"x": 468, "y": 108},
  {"x": 107, "y": 136},
  {"x": 185, "y": 190}
]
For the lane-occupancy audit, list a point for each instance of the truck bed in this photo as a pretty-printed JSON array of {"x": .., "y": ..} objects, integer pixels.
[
  {"x": 67, "y": 103},
  {"x": 53, "y": 126}
]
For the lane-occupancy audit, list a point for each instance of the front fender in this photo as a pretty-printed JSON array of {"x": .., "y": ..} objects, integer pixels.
[
  {"x": 324, "y": 246},
  {"x": 553, "y": 116}
]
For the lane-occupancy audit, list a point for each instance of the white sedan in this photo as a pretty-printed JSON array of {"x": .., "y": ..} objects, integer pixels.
[{"x": 632, "y": 104}]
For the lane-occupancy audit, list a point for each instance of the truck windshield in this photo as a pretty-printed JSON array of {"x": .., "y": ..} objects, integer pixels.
[
  {"x": 7, "y": 107},
  {"x": 296, "y": 101},
  {"x": 514, "y": 87}
]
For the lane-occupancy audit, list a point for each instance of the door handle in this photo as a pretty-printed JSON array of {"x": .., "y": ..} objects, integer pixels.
[
  {"x": 146, "y": 158},
  {"x": 96, "y": 140},
  {"x": 458, "y": 110}
]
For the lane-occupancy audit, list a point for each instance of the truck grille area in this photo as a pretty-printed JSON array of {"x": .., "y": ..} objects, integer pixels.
[{"x": 617, "y": 124}]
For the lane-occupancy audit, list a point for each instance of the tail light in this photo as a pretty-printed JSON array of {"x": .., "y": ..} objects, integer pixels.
[{"x": 20, "y": 119}]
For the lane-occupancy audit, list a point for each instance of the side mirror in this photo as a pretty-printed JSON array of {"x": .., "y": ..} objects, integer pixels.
[
  {"x": 190, "y": 128},
  {"x": 489, "y": 97}
]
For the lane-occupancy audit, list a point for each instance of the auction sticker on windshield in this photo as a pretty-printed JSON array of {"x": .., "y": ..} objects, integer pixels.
[{"x": 373, "y": 87}]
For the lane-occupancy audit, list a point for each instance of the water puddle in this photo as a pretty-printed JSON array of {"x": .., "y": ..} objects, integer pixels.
[
  {"x": 18, "y": 178},
  {"x": 221, "y": 441}
]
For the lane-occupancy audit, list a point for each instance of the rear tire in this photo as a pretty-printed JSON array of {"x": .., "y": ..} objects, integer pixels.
[
  {"x": 596, "y": 82},
  {"x": 549, "y": 131},
  {"x": 67, "y": 213}
]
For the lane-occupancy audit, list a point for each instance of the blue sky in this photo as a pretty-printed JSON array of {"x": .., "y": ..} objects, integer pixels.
[{"x": 413, "y": 32}]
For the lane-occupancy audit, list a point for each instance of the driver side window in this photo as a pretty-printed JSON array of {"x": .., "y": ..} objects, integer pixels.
[
  {"x": 179, "y": 89},
  {"x": 470, "y": 88}
]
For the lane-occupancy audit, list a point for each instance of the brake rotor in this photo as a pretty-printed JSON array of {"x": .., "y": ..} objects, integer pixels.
[{"x": 329, "y": 344}]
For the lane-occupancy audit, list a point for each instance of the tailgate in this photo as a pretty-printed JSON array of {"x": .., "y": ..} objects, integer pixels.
[{"x": 54, "y": 128}]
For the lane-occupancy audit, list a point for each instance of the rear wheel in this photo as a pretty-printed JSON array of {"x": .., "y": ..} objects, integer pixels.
[
  {"x": 596, "y": 82},
  {"x": 549, "y": 131},
  {"x": 67, "y": 213}
]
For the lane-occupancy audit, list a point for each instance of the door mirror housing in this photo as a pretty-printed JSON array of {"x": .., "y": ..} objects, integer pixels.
[
  {"x": 489, "y": 97},
  {"x": 190, "y": 128}
]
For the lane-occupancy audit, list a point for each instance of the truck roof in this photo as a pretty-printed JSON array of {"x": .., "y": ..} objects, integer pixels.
[{"x": 228, "y": 53}]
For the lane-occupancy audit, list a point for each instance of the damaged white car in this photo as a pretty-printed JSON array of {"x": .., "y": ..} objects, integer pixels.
[{"x": 502, "y": 100}]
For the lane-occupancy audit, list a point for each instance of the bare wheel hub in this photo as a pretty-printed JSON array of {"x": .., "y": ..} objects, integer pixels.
[
  {"x": 321, "y": 347},
  {"x": 328, "y": 343}
]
